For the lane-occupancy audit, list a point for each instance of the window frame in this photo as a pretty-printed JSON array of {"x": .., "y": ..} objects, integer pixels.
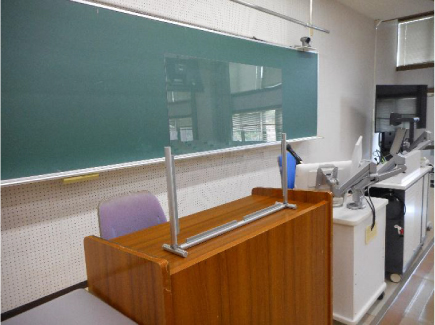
[{"x": 415, "y": 66}]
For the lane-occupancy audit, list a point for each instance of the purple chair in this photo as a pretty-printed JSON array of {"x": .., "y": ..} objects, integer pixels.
[{"x": 129, "y": 213}]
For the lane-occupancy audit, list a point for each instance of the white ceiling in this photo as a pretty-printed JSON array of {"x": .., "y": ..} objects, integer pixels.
[{"x": 389, "y": 9}]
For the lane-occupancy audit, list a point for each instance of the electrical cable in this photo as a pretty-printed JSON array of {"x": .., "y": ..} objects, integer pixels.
[
  {"x": 403, "y": 204},
  {"x": 398, "y": 199},
  {"x": 372, "y": 207}
]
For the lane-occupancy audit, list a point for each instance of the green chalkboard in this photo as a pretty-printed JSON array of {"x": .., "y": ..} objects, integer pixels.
[{"x": 86, "y": 87}]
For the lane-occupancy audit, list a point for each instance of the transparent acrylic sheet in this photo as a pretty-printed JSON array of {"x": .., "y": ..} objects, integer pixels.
[{"x": 215, "y": 105}]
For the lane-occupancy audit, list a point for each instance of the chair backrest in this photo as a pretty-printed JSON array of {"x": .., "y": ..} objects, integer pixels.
[{"x": 129, "y": 213}]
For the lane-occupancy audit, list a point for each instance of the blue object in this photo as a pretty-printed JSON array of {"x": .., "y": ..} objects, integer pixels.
[{"x": 291, "y": 169}]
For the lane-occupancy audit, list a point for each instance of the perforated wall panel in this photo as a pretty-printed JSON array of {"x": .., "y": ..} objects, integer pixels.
[
  {"x": 227, "y": 16},
  {"x": 43, "y": 224}
]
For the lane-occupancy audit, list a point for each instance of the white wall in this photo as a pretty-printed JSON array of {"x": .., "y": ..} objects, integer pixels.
[
  {"x": 346, "y": 86},
  {"x": 43, "y": 224}
]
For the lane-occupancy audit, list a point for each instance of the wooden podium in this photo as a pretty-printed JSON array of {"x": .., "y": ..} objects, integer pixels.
[{"x": 276, "y": 270}]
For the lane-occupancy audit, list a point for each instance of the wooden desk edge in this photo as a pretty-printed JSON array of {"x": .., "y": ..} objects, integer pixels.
[
  {"x": 295, "y": 195},
  {"x": 143, "y": 281}
]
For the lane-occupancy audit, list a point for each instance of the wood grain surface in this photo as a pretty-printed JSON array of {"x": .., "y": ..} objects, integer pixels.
[
  {"x": 276, "y": 270},
  {"x": 280, "y": 276},
  {"x": 137, "y": 285},
  {"x": 295, "y": 195}
]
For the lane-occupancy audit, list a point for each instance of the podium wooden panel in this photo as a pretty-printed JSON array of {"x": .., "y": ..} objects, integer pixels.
[{"x": 276, "y": 270}]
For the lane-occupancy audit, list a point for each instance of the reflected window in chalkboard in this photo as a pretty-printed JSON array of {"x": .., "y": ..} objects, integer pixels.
[
  {"x": 216, "y": 105},
  {"x": 244, "y": 77},
  {"x": 261, "y": 126},
  {"x": 181, "y": 129}
]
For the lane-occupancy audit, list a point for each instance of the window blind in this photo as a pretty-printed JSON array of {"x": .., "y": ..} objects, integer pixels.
[
  {"x": 415, "y": 41},
  {"x": 257, "y": 126}
]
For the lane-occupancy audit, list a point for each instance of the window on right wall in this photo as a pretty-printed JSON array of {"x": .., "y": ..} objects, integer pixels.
[{"x": 415, "y": 42}]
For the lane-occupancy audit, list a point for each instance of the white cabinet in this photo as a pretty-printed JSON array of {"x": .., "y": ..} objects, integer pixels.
[
  {"x": 413, "y": 221},
  {"x": 358, "y": 261}
]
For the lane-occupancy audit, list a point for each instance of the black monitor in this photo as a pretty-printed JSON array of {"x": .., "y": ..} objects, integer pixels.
[{"x": 409, "y": 101}]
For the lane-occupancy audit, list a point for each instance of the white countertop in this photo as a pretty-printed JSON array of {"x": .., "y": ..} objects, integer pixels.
[
  {"x": 344, "y": 216},
  {"x": 403, "y": 181}
]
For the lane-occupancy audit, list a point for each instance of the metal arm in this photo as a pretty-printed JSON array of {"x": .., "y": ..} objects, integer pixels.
[
  {"x": 393, "y": 162},
  {"x": 395, "y": 171},
  {"x": 423, "y": 141},
  {"x": 366, "y": 176}
]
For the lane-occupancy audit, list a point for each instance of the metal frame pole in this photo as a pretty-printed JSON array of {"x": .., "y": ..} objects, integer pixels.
[
  {"x": 170, "y": 181},
  {"x": 174, "y": 195},
  {"x": 172, "y": 203},
  {"x": 277, "y": 14},
  {"x": 284, "y": 168}
]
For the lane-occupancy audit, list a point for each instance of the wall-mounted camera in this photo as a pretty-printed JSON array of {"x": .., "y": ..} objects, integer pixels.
[
  {"x": 306, "y": 41},
  {"x": 306, "y": 46}
]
